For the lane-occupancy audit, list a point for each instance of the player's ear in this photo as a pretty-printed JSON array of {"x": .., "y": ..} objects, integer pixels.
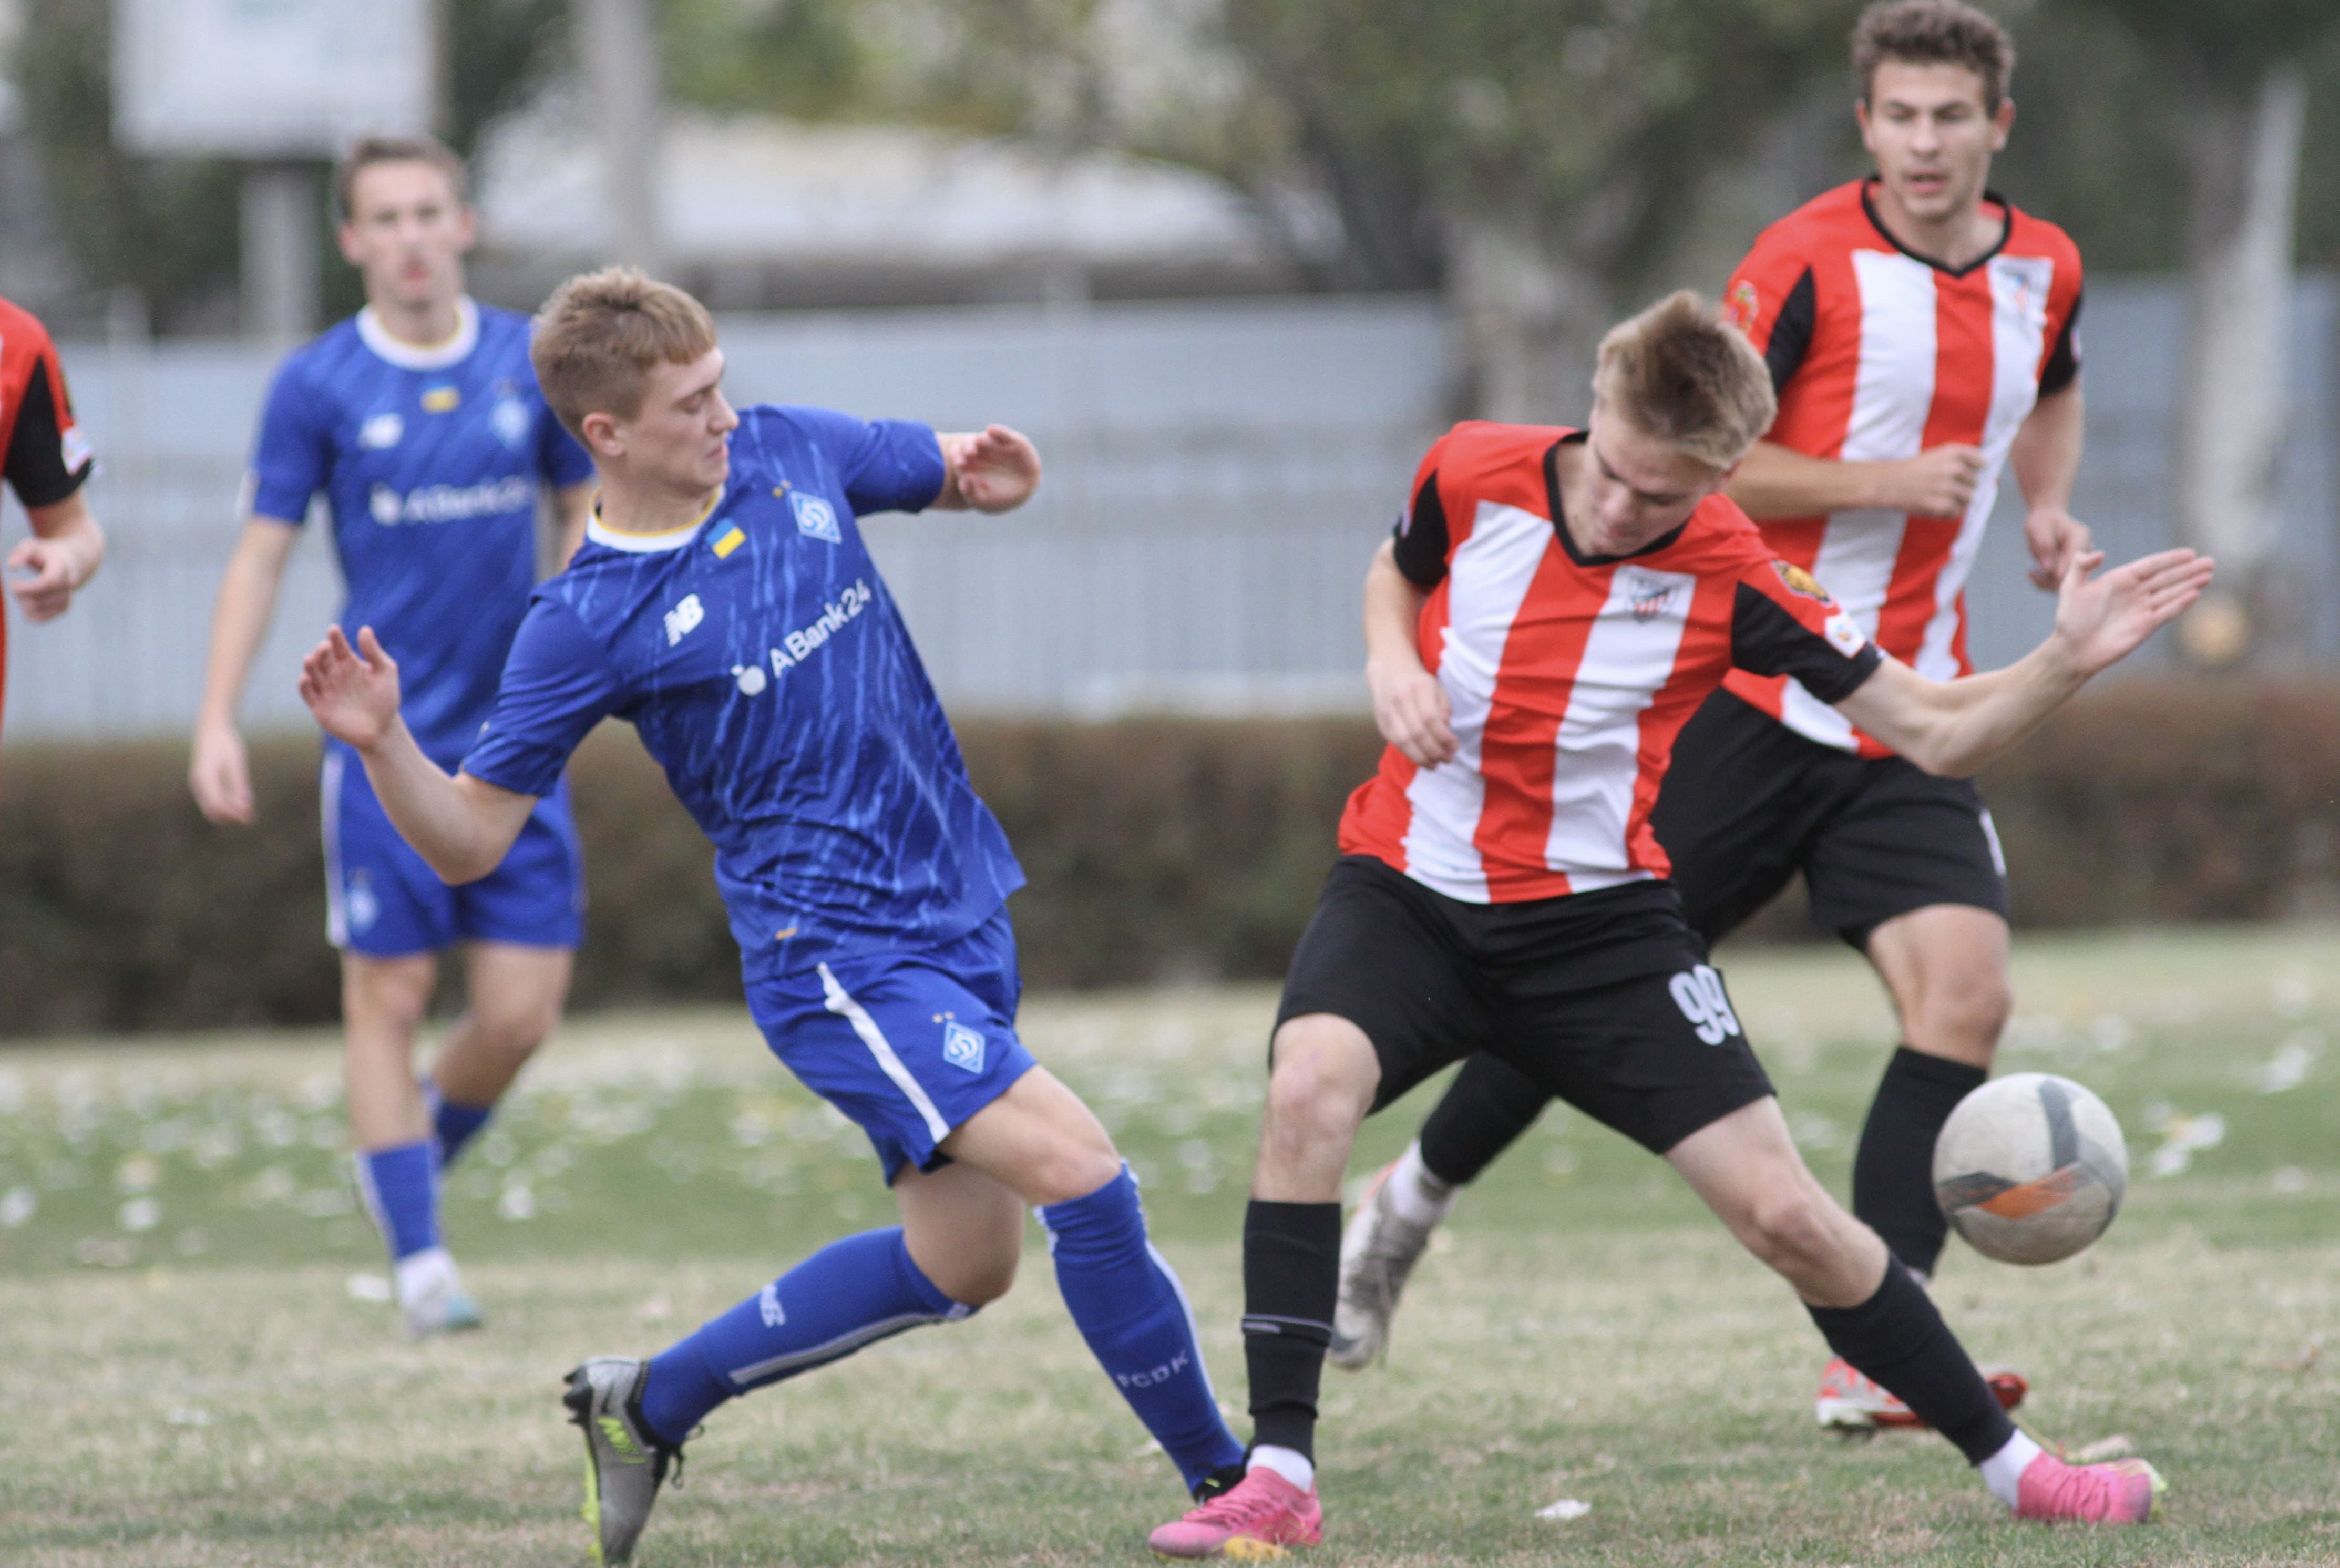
[
  {"x": 467, "y": 227},
  {"x": 604, "y": 436},
  {"x": 2002, "y": 121},
  {"x": 345, "y": 235}
]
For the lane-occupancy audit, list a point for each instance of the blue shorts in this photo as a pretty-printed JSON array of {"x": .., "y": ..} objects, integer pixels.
[
  {"x": 910, "y": 1045},
  {"x": 383, "y": 900}
]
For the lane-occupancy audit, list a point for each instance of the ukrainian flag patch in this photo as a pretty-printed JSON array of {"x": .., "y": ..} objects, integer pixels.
[{"x": 731, "y": 540}]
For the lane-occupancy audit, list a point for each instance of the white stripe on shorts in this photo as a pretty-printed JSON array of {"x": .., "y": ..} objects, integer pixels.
[
  {"x": 853, "y": 1012},
  {"x": 329, "y": 815}
]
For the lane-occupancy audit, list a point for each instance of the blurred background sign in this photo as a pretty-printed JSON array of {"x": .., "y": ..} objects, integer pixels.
[
  {"x": 269, "y": 80},
  {"x": 277, "y": 84}
]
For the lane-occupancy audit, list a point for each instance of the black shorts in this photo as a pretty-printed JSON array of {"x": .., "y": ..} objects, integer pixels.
[
  {"x": 1748, "y": 802},
  {"x": 1605, "y": 998}
]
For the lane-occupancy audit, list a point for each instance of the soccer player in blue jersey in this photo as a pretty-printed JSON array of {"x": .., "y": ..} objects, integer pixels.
[
  {"x": 421, "y": 422},
  {"x": 724, "y": 604}
]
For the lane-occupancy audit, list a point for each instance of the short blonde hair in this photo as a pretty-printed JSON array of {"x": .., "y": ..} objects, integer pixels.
[
  {"x": 1679, "y": 373},
  {"x": 600, "y": 335}
]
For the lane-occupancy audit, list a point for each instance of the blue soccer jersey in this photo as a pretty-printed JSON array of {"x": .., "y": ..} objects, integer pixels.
[
  {"x": 764, "y": 664},
  {"x": 430, "y": 461}
]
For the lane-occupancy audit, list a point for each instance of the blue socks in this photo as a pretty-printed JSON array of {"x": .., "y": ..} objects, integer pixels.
[
  {"x": 849, "y": 1294},
  {"x": 401, "y": 1186},
  {"x": 452, "y": 1126},
  {"x": 1133, "y": 1312}
]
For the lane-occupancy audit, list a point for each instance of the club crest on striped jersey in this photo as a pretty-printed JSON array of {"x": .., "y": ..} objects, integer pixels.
[
  {"x": 1651, "y": 594},
  {"x": 1801, "y": 581},
  {"x": 1739, "y": 305}
]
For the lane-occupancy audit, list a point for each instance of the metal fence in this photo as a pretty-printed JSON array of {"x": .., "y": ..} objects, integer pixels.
[{"x": 1217, "y": 474}]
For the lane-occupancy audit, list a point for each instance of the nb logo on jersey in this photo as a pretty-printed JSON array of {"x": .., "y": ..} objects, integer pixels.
[
  {"x": 1699, "y": 993},
  {"x": 962, "y": 1047},
  {"x": 382, "y": 432},
  {"x": 684, "y": 619},
  {"x": 815, "y": 517},
  {"x": 767, "y": 1305}
]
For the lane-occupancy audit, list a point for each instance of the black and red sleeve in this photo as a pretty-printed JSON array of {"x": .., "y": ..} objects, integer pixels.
[
  {"x": 46, "y": 460},
  {"x": 2063, "y": 366},
  {"x": 1422, "y": 541},
  {"x": 1783, "y": 622}
]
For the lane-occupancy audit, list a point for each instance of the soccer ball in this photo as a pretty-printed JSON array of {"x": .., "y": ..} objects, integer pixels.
[{"x": 2030, "y": 1168}]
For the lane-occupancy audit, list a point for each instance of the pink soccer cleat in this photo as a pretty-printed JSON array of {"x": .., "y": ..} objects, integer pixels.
[
  {"x": 1849, "y": 1401},
  {"x": 1257, "y": 1518},
  {"x": 2123, "y": 1492}
]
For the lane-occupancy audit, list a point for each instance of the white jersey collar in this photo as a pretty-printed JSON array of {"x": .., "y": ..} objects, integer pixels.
[
  {"x": 646, "y": 543},
  {"x": 437, "y": 356}
]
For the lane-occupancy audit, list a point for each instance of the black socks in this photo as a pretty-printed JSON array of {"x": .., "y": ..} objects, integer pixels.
[
  {"x": 1488, "y": 1106},
  {"x": 1897, "y": 1338},
  {"x": 1893, "y": 1171},
  {"x": 1292, "y": 1276}
]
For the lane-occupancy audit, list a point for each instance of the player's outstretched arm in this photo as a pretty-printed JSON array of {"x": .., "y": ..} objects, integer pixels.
[
  {"x": 462, "y": 826},
  {"x": 992, "y": 470},
  {"x": 1953, "y": 728},
  {"x": 1409, "y": 705}
]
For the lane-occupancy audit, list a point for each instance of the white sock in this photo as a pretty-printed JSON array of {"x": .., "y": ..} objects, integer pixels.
[
  {"x": 422, "y": 1274},
  {"x": 1418, "y": 1196},
  {"x": 2003, "y": 1471},
  {"x": 1289, "y": 1462}
]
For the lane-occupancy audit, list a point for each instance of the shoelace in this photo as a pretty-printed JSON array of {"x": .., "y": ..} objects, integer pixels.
[{"x": 1235, "y": 1509}]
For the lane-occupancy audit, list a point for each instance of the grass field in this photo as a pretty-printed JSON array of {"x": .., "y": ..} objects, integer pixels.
[{"x": 191, "y": 1373}]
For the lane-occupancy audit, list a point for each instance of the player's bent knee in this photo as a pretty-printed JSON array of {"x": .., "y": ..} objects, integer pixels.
[{"x": 1794, "y": 1231}]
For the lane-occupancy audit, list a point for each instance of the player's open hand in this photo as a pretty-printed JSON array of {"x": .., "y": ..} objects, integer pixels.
[
  {"x": 2056, "y": 537},
  {"x": 354, "y": 691},
  {"x": 1938, "y": 481},
  {"x": 2101, "y": 620},
  {"x": 1411, "y": 711},
  {"x": 995, "y": 470},
  {"x": 44, "y": 574}
]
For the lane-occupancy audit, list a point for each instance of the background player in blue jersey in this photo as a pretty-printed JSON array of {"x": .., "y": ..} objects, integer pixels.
[
  {"x": 724, "y": 604},
  {"x": 421, "y": 422}
]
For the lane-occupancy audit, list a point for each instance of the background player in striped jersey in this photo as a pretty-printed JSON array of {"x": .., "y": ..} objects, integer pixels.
[
  {"x": 1920, "y": 334},
  {"x": 1553, "y": 608},
  {"x": 46, "y": 461},
  {"x": 421, "y": 422},
  {"x": 726, "y": 605}
]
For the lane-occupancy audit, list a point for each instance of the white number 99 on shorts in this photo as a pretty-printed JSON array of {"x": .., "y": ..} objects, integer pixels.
[{"x": 1699, "y": 993}]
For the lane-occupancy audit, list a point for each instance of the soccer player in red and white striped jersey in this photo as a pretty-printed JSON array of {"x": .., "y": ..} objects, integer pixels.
[
  {"x": 1554, "y": 607},
  {"x": 1921, "y": 336}
]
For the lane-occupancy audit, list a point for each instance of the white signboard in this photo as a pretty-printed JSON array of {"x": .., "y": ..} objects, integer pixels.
[{"x": 268, "y": 78}]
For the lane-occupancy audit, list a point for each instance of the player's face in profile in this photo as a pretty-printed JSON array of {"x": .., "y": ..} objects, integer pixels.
[
  {"x": 407, "y": 232},
  {"x": 682, "y": 439},
  {"x": 1932, "y": 139},
  {"x": 1642, "y": 489}
]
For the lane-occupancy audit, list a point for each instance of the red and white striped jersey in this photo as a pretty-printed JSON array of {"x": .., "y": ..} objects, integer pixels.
[
  {"x": 1569, "y": 676},
  {"x": 1879, "y": 354}
]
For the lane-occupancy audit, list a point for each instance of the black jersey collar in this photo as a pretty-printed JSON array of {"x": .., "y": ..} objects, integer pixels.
[
  {"x": 1559, "y": 523},
  {"x": 2006, "y": 231}
]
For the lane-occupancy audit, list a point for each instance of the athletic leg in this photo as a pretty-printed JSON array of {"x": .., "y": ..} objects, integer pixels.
[
  {"x": 1874, "y": 1316},
  {"x": 516, "y": 994},
  {"x": 1946, "y": 966},
  {"x": 383, "y": 1003}
]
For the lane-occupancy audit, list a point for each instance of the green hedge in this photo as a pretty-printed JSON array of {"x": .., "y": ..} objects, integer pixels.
[{"x": 1158, "y": 850}]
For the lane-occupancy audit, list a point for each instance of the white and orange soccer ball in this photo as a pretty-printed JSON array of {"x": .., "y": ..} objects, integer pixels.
[{"x": 2030, "y": 1168}]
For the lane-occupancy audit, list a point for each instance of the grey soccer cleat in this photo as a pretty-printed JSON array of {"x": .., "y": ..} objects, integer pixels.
[
  {"x": 625, "y": 1461},
  {"x": 1378, "y": 1249}
]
